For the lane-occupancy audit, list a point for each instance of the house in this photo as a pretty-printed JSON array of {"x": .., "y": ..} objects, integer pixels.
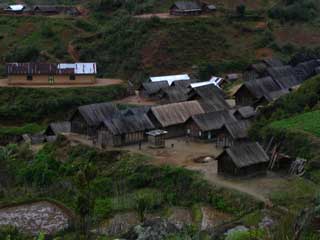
[
  {"x": 170, "y": 78},
  {"x": 172, "y": 117},
  {"x": 285, "y": 76},
  {"x": 156, "y": 138},
  {"x": 306, "y": 69},
  {"x": 186, "y": 8},
  {"x": 135, "y": 111},
  {"x": 56, "y": 128},
  {"x": 50, "y": 73},
  {"x": 244, "y": 113},
  {"x": 234, "y": 133},
  {"x": 124, "y": 130},
  {"x": 244, "y": 160},
  {"x": 87, "y": 119},
  {"x": 253, "y": 91},
  {"x": 208, "y": 126},
  {"x": 152, "y": 89},
  {"x": 46, "y": 9},
  {"x": 211, "y": 95},
  {"x": 259, "y": 69}
]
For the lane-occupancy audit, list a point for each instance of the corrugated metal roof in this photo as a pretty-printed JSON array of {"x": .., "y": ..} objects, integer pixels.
[
  {"x": 80, "y": 68},
  {"x": 16, "y": 7},
  {"x": 214, "y": 80},
  {"x": 170, "y": 78}
]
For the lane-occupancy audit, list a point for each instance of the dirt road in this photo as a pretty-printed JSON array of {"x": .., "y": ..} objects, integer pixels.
[{"x": 100, "y": 82}]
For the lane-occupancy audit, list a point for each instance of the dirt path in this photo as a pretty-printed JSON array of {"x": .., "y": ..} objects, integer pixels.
[
  {"x": 99, "y": 82},
  {"x": 168, "y": 16},
  {"x": 136, "y": 100}
]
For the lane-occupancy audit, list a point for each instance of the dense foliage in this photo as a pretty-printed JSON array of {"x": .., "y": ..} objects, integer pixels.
[{"x": 26, "y": 105}]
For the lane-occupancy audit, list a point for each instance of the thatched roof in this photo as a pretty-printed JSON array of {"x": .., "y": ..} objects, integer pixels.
[
  {"x": 285, "y": 76},
  {"x": 154, "y": 87},
  {"x": 273, "y": 62},
  {"x": 210, "y": 94},
  {"x": 176, "y": 113},
  {"x": 213, "y": 120},
  {"x": 94, "y": 114},
  {"x": 238, "y": 129},
  {"x": 175, "y": 94},
  {"x": 246, "y": 154},
  {"x": 245, "y": 112},
  {"x": 128, "y": 124},
  {"x": 135, "y": 111},
  {"x": 58, "y": 127},
  {"x": 306, "y": 70},
  {"x": 261, "y": 87}
]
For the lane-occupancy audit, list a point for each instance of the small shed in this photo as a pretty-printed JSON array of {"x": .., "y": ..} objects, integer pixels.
[
  {"x": 186, "y": 8},
  {"x": 243, "y": 160},
  {"x": 156, "y": 138},
  {"x": 56, "y": 128}
]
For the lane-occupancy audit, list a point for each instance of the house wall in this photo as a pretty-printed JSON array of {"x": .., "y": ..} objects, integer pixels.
[
  {"x": 175, "y": 131},
  {"x": 80, "y": 126},
  {"x": 44, "y": 80},
  {"x": 244, "y": 98}
]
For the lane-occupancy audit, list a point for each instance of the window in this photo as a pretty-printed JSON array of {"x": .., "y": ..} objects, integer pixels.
[
  {"x": 29, "y": 77},
  {"x": 72, "y": 77}
]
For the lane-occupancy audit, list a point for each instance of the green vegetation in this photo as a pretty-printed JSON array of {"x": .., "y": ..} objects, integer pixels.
[
  {"x": 19, "y": 105},
  {"x": 28, "y": 128},
  {"x": 99, "y": 184}
]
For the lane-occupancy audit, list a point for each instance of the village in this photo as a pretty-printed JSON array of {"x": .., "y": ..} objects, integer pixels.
[
  {"x": 159, "y": 120},
  {"x": 183, "y": 109}
]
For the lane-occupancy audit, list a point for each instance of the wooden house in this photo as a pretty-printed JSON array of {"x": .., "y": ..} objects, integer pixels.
[
  {"x": 174, "y": 94},
  {"x": 172, "y": 117},
  {"x": 254, "y": 91},
  {"x": 259, "y": 69},
  {"x": 285, "y": 76},
  {"x": 186, "y": 8},
  {"x": 234, "y": 133},
  {"x": 157, "y": 138},
  {"x": 208, "y": 126},
  {"x": 56, "y": 128},
  {"x": 306, "y": 69},
  {"x": 124, "y": 130},
  {"x": 50, "y": 74},
  {"x": 210, "y": 94},
  {"x": 244, "y": 160},
  {"x": 152, "y": 89},
  {"x": 88, "y": 118}
]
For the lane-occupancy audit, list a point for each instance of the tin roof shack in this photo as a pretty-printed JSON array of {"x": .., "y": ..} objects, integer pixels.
[
  {"x": 124, "y": 130},
  {"x": 88, "y": 118},
  {"x": 244, "y": 160},
  {"x": 257, "y": 91},
  {"x": 51, "y": 73},
  {"x": 157, "y": 138},
  {"x": 186, "y": 8},
  {"x": 172, "y": 117},
  {"x": 15, "y": 9},
  {"x": 56, "y": 128},
  {"x": 244, "y": 113},
  {"x": 208, "y": 126}
]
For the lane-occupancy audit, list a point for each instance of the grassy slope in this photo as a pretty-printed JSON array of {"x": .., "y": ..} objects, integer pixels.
[{"x": 308, "y": 122}]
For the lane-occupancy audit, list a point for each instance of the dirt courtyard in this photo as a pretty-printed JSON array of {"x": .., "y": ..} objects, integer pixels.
[
  {"x": 100, "y": 82},
  {"x": 191, "y": 155}
]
